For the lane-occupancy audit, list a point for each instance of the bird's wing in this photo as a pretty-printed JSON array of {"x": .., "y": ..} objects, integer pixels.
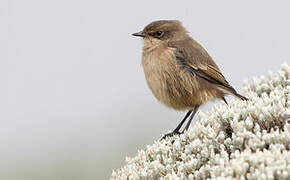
[{"x": 196, "y": 60}]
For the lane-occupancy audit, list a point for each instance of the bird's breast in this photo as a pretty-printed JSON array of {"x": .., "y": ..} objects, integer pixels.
[{"x": 167, "y": 79}]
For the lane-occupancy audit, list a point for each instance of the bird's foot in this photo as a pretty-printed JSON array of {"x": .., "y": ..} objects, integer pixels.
[{"x": 171, "y": 134}]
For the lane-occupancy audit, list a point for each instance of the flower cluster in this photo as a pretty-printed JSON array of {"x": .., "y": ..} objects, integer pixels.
[{"x": 241, "y": 140}]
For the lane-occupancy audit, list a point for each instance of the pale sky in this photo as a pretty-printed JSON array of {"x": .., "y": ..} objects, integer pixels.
[{"x": 74, "y": 101}]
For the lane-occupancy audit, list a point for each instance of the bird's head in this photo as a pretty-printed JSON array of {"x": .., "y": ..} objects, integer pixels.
[{"x": 163, "y": 30}]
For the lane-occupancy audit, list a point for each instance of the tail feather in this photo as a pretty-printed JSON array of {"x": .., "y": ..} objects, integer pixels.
[
  {"x": 224, "y": 99},
  {"x": 241, "y": 97},
  {"x": 232, "y": 92}
]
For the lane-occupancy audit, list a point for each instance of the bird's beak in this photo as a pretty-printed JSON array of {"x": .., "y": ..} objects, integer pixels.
[{"x": 140, "y": 34}]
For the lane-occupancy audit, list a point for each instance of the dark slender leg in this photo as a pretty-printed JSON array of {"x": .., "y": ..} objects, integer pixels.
[
  {"x": 176, "y": 130},
  {"x": 183, "y": 120},
  {"x": 191, "y": 117}
]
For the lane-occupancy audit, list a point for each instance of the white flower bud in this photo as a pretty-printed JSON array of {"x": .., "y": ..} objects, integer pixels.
[{"x": 244, "y": 140}]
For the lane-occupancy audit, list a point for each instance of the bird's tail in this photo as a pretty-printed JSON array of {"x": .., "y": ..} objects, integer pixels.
[
  {"x": 233, "y": 92},
  {"x": 241, "y": 97}
]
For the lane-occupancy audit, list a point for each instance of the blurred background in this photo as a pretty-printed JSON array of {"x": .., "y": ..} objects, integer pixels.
[{"x": 73, "y": 98}]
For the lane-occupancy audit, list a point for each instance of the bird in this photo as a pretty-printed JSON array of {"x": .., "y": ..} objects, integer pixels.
[{"x": 179, "y": 71}]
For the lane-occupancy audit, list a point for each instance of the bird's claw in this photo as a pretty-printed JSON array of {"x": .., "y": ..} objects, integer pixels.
[{"x": 171, "y": 134}]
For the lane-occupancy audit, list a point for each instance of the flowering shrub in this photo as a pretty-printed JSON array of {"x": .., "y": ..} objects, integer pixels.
[{"x": 241, "y": 140}]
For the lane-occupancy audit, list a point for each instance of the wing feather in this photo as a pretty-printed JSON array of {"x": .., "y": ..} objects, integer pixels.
[{"x": 196, "y": 60}]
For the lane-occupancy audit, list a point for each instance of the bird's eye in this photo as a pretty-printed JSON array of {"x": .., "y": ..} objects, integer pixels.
[{"x": 159, "y": 33}]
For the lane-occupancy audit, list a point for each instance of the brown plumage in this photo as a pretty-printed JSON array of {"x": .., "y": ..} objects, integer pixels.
[{"x": 179, "y": 71}]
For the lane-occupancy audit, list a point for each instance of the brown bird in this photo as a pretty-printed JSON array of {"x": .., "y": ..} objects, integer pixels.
[{"x": 179, "y": 71}]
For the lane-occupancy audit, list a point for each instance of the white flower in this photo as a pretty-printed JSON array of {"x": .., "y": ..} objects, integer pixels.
[{"x": 244, "y": 140}]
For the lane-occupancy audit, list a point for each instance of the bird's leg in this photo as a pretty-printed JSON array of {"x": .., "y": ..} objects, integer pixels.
[
  {"x": 191, "y": 117},
  {"x": 176, "y": 130}
]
